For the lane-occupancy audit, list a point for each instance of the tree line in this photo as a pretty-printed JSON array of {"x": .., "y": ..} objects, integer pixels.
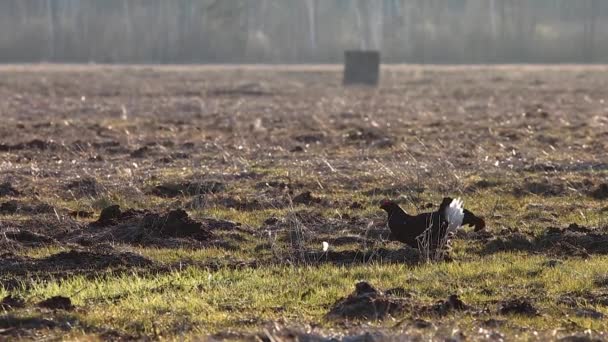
[{"x": 303, "y": 31}]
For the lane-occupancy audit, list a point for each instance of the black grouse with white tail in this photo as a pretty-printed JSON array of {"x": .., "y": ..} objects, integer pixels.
[{"x": 439, "y": 224}]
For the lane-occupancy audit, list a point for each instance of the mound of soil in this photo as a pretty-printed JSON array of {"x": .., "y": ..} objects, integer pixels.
[
  {"x": 481, "y": 185},
  {"x": 306, "y": 198},
  {"x": 176, "y": 223},
  {"x": 15, "y": 270},
  {"x": 575, "y": 299},
  {"x": 517, "y": 306},
  {"x": 26, "y": 238},
  {"x": 601, "y": 192},
  {"x": 84, "y": 187},
  {"x": 541, "y": 188},
  {"x": 369, "y": 136},
  {"x": 367, "y": 303},
  {"x": 7, "y": 189},
  {"x": 172, "y": 190},
  {"x": 171, "y": 229},
  {"x": 588, "y": 313},
  {"x": 72, "y": 261},
  {"x": 444, "y": 307},
  {"x": 57, "y": 303},
  {"x": 310, "y": 138},
  {"x": 9, "y": 208},
  {"x": 113, "y": 215},
  {"x": 571, "y": 241},
  {"x": 35, "y": 144},
  {"x": 19, "y": 327},
  {"x": 581, "y": 338},
  {"x": 14, "y": 207},
  {"x": 80, "y": 214},
  {"x": 10, "y": 303},
  {"x": 142, "y": 152},
  {"x": 574, "y": 241},
  {"x": 38, "y": 231}
]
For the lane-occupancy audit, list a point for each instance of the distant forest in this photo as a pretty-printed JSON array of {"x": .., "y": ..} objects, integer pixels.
[{"x": 303, "y": 31}]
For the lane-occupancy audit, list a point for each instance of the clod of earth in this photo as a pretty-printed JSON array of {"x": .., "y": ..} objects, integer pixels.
[
  {"x": 306, "y": 198},
  {"x": 368, "y": 135},
  {"x": 35, "y": 144},
  {"x": 311, "y": 138},
  {"x": 367, "y": 303},
  {"x": 248, "y": 205},
  {"x": 141, "y": 152},
  {"x": 580, "y": 338},
  {"x": 57, "y": 303},
  {"x": 589, "y": 313},
  {"x": 543, "y": 188},
  {"x": 176, "y": 223},
  {"x": 481, "y": 185},
  {"x": 552, "y": 263},
  {"x": 9, "y": 208},
  {"x": 96, "y": 158},
  {"x": 171, "y": 190},
  {"x": 571, "y": 241},
  {"x": 442, "y": 308},
  {"x": 271, "y": 221},
  {"x": 601, "y": 192},
  {"x": 355, "y": 206},
  {"x": 382, "y": 143},
  {"x": 601, "y": 281},
  {"x": 14, "y": 206},
  {"x": 517, "y": 306},
  {"x": 9, "y": 303},
  {"x": 80, "y": 214},
  {"x": 29, "y": 239},
  {"x": 493, "y": 323},
  {"x": 7, "y": 189},
  {"x": 575, "y": 240},
  {"x": 10, "y": 322},
  {"x": 421, "y": 324},
  {"x": 113, "y": 215},
  {"x": 591, "y": 298},
  {"x": 84, "y": 187}
]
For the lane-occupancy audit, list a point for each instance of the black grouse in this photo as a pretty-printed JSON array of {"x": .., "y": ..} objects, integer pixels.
[{"x": 409, "y": 229}]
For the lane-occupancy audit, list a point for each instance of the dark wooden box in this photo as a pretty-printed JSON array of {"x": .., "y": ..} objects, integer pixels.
[{"x": 361, "y": 67}]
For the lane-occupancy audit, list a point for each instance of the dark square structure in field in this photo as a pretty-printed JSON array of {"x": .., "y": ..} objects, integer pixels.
[{"x": 361, "y": 67}]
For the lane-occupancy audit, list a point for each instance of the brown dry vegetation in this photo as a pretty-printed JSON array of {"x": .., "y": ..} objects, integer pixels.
[{"x": 240, "y": 173}]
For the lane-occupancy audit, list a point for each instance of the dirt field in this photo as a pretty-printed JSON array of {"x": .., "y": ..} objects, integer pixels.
[{"x": 192, "y": 202}]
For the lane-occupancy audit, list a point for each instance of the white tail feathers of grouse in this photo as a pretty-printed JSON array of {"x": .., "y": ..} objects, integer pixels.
[{"x": 454, "y": 215}]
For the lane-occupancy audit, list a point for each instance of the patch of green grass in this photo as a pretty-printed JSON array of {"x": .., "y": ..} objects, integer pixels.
[{"x": 197, "y": 301}]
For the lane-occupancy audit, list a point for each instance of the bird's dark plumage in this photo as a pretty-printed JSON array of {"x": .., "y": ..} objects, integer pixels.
[{"x": 407, "y": 228}]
